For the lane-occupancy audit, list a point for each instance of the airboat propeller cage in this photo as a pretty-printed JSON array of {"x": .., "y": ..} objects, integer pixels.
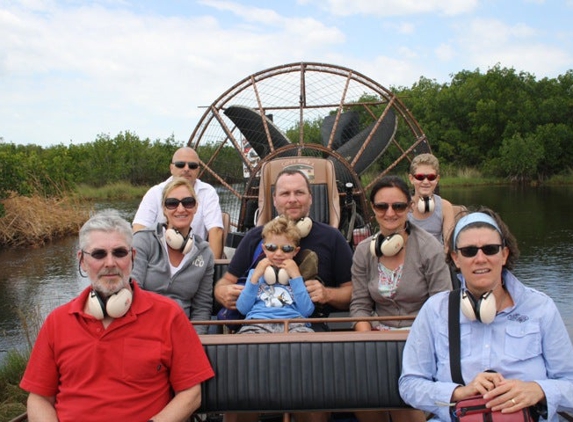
[{"x": 305, "y": 111}]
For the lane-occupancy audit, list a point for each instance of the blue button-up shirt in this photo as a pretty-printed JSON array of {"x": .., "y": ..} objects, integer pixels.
[{"x": 527, "y": 341}]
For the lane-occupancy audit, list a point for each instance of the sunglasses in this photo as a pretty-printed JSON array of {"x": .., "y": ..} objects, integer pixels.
[
  {"x": 421, "y": 176},
  {"x": 271, "y": 247},
  {"x": 191, "y": 164},
  {"x": 102, "y": 253},
  {"x": 396, "y": 206},
  {"x": 471, "y": 251},
  {"x": 172, "y": 203}
]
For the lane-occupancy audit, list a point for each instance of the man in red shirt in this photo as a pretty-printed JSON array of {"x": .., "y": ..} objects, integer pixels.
[{"x": 116, "y": 352}]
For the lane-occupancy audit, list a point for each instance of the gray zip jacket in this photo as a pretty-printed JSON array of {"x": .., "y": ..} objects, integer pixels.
[{"x": 191, "y": 286}]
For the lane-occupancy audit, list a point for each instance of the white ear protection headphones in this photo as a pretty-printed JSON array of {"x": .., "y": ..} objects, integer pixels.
[
  {"x": 116, "y": 305},
  {"x": 483, "y": 309},
  {"x": 426, "y": 204},
  {"x": 273, "y": 274},
  {"x": 304, "y": 226},
  {"x": 387, "y": 246},
  {"x": 177, "y": 241}
]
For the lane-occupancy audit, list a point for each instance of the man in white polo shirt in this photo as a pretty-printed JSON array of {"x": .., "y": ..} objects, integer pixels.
[{"x": 208, "y": 221}]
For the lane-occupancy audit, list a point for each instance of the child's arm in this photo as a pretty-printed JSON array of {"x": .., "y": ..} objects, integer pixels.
[
  {"x": 248, "y": 295},
  {"x": 259, "y": 270},
  {"x": 301, "y": 297}
]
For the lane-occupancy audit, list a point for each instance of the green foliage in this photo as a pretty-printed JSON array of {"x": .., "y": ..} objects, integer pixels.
[
  {"x": 13, "y": 366},
  {"x": 520, "y": 157},
  {"x": 488, "y": 120},
  {"x": 227, "y": 164},
  {"x": 27, "y": 169},
  {"x": 311, "y": 132}
]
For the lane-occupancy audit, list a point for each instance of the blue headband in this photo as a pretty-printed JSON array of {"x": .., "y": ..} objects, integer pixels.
[{"x": 474, "y": 217}]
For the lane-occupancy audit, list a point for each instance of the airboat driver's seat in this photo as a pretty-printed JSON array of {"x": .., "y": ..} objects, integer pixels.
[{"x": 320, "y": 172}]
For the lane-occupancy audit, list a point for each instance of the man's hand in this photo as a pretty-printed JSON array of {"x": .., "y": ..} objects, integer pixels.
[
  {"x": 227, "y": 291},
  {"x": 317, "y": 292}
]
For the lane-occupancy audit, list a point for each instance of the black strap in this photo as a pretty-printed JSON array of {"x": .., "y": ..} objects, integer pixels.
[{"x": 454, "y": 337}]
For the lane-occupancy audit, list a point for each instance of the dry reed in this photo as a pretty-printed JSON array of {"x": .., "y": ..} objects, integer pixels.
[{"x": 36, "y": 220}]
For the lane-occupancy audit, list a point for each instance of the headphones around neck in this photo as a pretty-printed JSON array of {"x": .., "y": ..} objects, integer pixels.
[
  {"x": 426, "y": 204},
  {"x": 177, "y": 241},
  {"x": 115, "y": 306},
  {"x": 381, "y": 245},
  {"x": 304, "y": 226},
  {"x": 483, "y": 309},
  {"x": 273, "y": 274}
]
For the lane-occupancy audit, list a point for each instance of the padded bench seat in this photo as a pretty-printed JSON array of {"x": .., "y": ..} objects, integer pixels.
[{"x": 303, "y": 371}]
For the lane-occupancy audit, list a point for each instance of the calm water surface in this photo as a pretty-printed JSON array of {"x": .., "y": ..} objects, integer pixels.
[{"x": 37, "y": 280}]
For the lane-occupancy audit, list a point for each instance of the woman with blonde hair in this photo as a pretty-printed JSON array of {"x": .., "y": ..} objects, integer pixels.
[{"x": 171, "y": 260}]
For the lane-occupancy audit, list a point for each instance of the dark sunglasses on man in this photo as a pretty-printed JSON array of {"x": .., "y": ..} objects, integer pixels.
[
  {"x": 181, "y": 164},
  {"x": 102, "y": 253}
]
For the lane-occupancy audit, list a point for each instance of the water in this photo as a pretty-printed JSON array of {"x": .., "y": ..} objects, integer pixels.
[
  {"x": 541, "y": 219},
  {"x": 37, "y": 280}
]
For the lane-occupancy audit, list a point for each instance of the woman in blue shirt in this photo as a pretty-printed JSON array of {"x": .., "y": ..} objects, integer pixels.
[{"x": 515, "y": 349}]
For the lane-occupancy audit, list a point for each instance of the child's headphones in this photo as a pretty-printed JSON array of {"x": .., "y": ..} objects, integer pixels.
[
  {"x": 177, "y": 241},
  {"x": 483, "y": 309},
  {"x": 426, "y": 204},
  {"x": 304, "y": 226},
  {"x": 115, "y": 306},
  {"x": 389, "y": 245},
  {"x": 273, "y": 274}
]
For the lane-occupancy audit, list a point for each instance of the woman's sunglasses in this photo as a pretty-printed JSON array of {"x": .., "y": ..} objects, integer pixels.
[
  {"x": 191, "y": 164},
  {"x": 421, "y": 176},
  {"x": 172, "y": 203},
  {"x": 102, "y": 253},
  {"x": 271, "y": 247},
  {"x": 471, "y": 251},
  {"x": 396, "y": 206}
]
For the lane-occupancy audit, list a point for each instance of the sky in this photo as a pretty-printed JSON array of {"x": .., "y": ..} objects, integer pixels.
[{"x": 73, "y": 70}]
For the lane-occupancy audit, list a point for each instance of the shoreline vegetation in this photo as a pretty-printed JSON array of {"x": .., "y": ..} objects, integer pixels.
[{"x": 35, "y": 220}]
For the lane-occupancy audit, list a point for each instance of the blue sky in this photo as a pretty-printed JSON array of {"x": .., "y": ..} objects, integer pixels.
[{"x": 71, "y": 70}]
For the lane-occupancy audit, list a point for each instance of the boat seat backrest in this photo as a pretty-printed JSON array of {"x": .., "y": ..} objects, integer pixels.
[
  {"x": 320, "y": 172},
  {"x": 302, "y": 372}
]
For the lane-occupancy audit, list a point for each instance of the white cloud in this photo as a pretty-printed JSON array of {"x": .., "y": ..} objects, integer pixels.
[
  {"x": 445, "y": 52},
  {"x": 127, "y": 68},
  {"x": 71, "y": 69},
  {"x": 490, "y": 41},
  {"x": 406, "y": 28},
  {"x": 396, "y": 7}
]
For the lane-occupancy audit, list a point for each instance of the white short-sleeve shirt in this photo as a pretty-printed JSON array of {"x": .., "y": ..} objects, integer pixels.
[{"x": 208, "y": 215}]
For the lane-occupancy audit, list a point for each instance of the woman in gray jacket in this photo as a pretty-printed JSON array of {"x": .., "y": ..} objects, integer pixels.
[{"x": 172, "y": 261}]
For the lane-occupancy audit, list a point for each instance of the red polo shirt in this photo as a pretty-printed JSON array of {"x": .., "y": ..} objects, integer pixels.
[{"x": 126, "y": 372}]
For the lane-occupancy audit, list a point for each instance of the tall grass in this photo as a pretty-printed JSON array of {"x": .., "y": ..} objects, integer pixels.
[
  {"x": 12, "y": 397},
  {"x": 119, "y": 191},
  {"x": 36, "y": 220}
]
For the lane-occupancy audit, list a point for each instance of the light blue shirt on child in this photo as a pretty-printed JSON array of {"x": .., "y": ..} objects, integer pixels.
[{"x": 262, "y": 301}]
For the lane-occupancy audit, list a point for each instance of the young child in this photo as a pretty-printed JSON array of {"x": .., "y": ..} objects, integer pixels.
[{"x": 275, "y": 288}]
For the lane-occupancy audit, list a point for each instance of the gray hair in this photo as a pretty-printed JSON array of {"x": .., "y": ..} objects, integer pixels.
[{"x": 108, "y": 220}]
